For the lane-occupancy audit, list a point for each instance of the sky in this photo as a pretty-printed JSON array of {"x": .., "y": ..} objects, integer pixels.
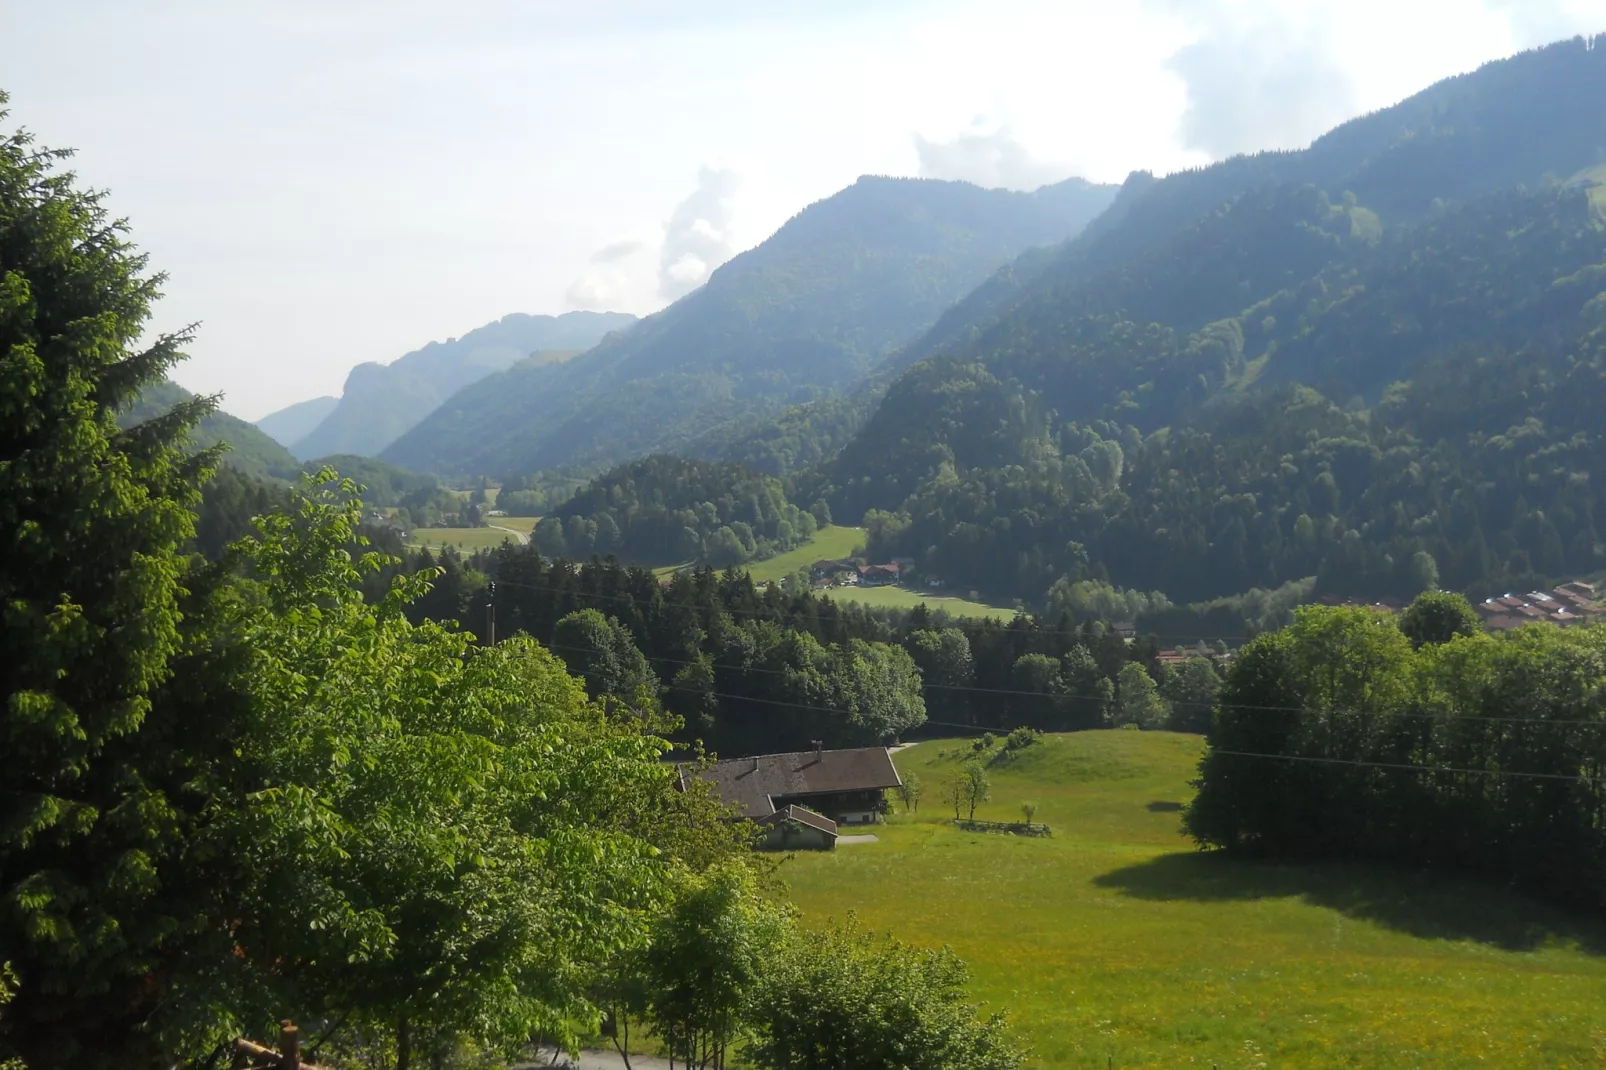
[{"x": 328, "y": 182}]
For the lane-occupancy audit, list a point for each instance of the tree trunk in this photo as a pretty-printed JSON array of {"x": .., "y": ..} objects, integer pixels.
[{"x": 404, "y": 1045}]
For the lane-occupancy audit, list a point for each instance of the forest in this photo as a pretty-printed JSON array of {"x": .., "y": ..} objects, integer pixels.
[
  {"x": 253, "y": 784},
  {"x": 1424, "y": 742},
  {"x": 1213, "y": 466},
  {"x": 664, "y": 510}
]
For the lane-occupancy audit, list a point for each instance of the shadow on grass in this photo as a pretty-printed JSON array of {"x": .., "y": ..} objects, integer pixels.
[
  {"x": 1160, "y": 806},
  {"x": 1424, "y": 905}
]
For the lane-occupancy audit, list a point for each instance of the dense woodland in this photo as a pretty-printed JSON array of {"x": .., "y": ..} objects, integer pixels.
[
  {"x": 1425, "y": 743},
  {"x": 663, "y": 510}
]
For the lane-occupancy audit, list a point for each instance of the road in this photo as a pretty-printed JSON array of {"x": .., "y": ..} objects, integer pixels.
[{"x": 518, "y": 536}]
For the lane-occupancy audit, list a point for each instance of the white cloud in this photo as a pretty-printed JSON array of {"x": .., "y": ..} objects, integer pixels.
[
  {"x": 989, "y": 157},
  {"x": 1258, "y": 79},
  {"x": 698, "y": 237}
]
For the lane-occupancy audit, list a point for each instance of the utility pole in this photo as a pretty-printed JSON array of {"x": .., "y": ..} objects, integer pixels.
[{"x": 490, "y": 613}]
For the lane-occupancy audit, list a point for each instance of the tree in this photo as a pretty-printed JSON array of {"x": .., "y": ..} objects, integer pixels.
[
  {"x": 601, "y": 650},
  {"x": 1028, "y": 810},
  {"x": 977, "y": 788},
  {"x": 709, "y": 956},
  {"x": 840, "y": 997},
  {"x": 946, "y": 668},
  {"x": 91, "y": 518},
  {"x": 1191, "y": 689},
  {"x": 910, "y": 790},
  {"x": 953, "y": 792},
  {"x": 1438, "y": 617},
  {"x": 1138, "y": 701}
]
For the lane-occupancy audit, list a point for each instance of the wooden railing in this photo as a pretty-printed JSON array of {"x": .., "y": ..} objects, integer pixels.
[{"x": 249, "y": 1055}]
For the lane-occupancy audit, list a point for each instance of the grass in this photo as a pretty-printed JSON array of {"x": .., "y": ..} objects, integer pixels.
[
  {"x": 525, "y": 524},
  {"x": 1116, "y": 944},
  {"x": 903, "y": 598},
  {"x": 468, "y": 539},
  {"x": 829, "y": 542}
]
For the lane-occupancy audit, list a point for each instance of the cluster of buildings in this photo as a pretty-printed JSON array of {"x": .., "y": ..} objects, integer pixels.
[
  {"x": 1569, "y": 603},
  {"x": 1174, "y": 656},
  {"x": 802, "y": 798},
  {"x": 848, "y": 572}
]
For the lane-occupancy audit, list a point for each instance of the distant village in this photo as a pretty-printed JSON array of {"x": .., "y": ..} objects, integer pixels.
[
  {"x": 852, "y": 572},
  {"x": 1569, "y": 603}
]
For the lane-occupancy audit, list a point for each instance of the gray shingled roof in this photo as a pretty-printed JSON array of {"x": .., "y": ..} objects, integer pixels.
[{"x": 750, "y": 784}]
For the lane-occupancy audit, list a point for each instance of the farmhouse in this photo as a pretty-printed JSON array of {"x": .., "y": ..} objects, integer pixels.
[
  {"x": 878, "y": 575},
  {"x": 792, "y": 827},
  {"x": 839, "y": 787}
]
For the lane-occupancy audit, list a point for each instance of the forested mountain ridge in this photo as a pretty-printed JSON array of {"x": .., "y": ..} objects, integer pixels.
[
  {"x": 382, "y": 401},
  {"x": 1512, "y": 122},
  {"x": 1468, "y": 354},
  {"x": 805, "y": 314},
  {"x": 250, "y": 450}
]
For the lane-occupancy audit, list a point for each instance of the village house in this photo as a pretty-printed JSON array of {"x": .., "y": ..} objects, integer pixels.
[
  {"x": 878, "y": 575},
  {"x": 802, "y": 796}
]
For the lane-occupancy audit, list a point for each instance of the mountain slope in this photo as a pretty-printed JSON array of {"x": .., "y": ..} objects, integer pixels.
[
  {"x": 382, "y": 401},
  {"x": 250, "y": 450},
  {"x": 803, "y": 315},
  {"x": 295, "y": 422},
  {"x": 1517, "y": 121},
  {"x": 1384, "y": 393}
]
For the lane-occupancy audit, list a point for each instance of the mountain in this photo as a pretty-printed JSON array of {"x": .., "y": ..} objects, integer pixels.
[
  {"x": 382, "y": 401},
  {"x": 295, "y": 422},
  {"x": 804, "y": 315},
  {"x": 250, "y": 450},
  {"x": 1377, "y": 362},
  {"x": 1511, "y": 122}
]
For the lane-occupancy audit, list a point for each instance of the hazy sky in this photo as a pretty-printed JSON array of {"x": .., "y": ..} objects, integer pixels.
[{"x": 338, "y": 181}]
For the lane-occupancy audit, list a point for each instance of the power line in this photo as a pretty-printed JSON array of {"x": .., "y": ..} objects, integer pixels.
[
  {"x": 1577, "y": 778},
  {"x": 1328, "y": 712},
  {"x": 767, "y": 615},
  {"x": 1413, "y": 768}
]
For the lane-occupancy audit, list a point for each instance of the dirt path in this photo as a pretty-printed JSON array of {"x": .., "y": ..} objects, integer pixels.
[{"x": 598, "y": 1059}]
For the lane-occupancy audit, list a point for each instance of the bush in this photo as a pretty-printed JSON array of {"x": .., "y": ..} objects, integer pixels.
[{"x": 1022, "y": 737}]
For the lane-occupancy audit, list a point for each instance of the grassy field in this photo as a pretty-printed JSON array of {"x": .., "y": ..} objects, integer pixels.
[
  {"x": 525, "y": 524},
  {"x": 903, "y": 598},
  {"x": 466, "y": 539},
  {"x": 829, "y": 542},
  {"x": 1116, "y": 944}
]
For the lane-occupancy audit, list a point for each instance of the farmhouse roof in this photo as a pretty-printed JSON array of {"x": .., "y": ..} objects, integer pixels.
[
  {"x": 803, "y": 816},
  {"x": 752, "y": 784}
]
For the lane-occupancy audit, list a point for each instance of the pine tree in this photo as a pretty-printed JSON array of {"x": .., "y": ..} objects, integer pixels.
[{"x": 91, "y": 520}]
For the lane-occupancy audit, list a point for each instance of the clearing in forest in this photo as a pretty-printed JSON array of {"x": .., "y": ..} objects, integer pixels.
[{"x": 1116, "y": 943}]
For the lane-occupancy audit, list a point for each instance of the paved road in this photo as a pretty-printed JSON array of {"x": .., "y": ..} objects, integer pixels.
[{"x": 518, "y": 536}]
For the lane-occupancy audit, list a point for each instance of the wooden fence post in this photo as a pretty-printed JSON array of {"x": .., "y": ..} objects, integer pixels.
[{"x": 289, "y": 1046}]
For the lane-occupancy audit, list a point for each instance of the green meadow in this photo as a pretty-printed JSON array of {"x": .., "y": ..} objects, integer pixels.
[
  {"x": 830, "y": 542},
  {"x": 903, "y": 598},
  {"x": 525, "y": 524},
  {"x": 1116, "y": 944},
  {"x": 465, "y": 539}
]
